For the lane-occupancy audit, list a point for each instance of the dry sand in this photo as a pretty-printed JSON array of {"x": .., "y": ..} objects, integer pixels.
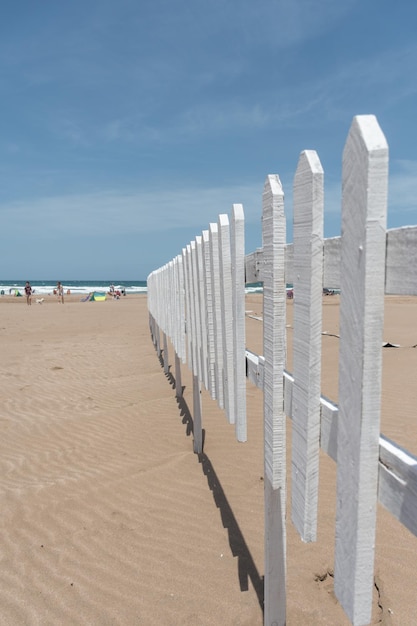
[{"x": 107, "y": 515}]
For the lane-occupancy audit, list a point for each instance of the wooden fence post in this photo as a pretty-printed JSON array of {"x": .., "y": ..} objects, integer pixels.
[
  {"x": 187, "y": 303},
  {"x": 202, "y": 313},
  {"x": 274, "y": 235},
  {"x": 217, "y": 310},
  {"x": 208, "y": 284},
  {"x": 165, "y": 354},
  {"x": 178, "y": 381},
  {"x": 364, "y": 205},
  {"x": 158, "y": 342},
  {"x": 237, "y": 240},
  {"x": 196, "y": 310},
  {"x": 179, "y": 323},
  {"x": 196, "y": 331},
  {"x": 308, "y": 290},
  {"x": 225, "y": 269}
]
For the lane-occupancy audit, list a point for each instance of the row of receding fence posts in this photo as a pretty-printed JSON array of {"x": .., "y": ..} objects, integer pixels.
[
  {"x": 198, "y": 301},
  {"x": 200, "y": 295}
]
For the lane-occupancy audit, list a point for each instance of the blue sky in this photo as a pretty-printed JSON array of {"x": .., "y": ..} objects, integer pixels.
[{"x": 128, "y": 126}]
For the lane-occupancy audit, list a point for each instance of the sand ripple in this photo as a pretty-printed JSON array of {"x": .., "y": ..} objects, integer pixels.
[{"x": 108, "y": 517}]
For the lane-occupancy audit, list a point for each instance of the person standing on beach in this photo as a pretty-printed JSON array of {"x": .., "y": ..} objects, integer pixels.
[
  {"x": 60, "y": 292},
  {"x": 28, "y": 292}
]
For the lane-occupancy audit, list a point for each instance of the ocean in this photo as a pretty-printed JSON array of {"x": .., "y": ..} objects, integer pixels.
[
  {"x": 75, "y": 286},
  {"x": 87, "y": 286}
]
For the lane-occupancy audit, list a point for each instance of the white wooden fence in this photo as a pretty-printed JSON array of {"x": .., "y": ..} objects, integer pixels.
[{"x": 197, "y": 300}]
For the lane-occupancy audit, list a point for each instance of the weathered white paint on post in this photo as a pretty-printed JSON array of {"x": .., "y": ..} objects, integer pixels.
[
  {"x": 364, "y": 205},
  {"x": 237, "y": 240},
  {"x": 178, "y": 319},
  {"x": 208, "y": 284},
  {"x": 197, "y": 419},
  {"x": 154, "y": 331},
  {"x": 169, "y": 300},
  {"x": 165, "y": 355},
  {"x": 193, "y": 297},
  {"x": 172, "y": 302},
  {"x": 186, "y": 255},
  {"x": 151, "y": 322},
  {"x": 225, "y": 268},
  {"x": 163, "y": 312},
  {"x": 201, "y": 294},
  {"x": 308, "y": 290},
  {"x": 274, "y": 233},
  {"x": 178, "y": 381},
  {"x": 181, "y": 315},
  {"x": 158, "y": 341},
  {"x": 174, "y": 306},
  {"x": 196, "y": 307},
  {"x": 217, "y": 313},
  {"x": 196, "y": 331}
]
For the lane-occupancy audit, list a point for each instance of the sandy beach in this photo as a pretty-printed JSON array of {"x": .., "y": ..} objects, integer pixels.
[{"x": 107, "y": 515}]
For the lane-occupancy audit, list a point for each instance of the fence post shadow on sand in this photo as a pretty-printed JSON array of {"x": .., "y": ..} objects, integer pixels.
[
  {"x": 247, "y": 569},
  {"x": 197, "y": 300}
]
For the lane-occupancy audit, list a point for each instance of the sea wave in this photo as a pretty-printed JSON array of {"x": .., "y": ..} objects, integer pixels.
[
  {"x": 87, "y": 286},
  {"x": 75, "y": 287}
]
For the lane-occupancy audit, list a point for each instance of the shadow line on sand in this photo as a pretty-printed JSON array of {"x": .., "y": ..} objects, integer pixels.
[{"x": 247, "y": 569}]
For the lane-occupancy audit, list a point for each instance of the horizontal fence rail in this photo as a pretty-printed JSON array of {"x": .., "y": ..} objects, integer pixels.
[
  {"x": 197, "y": 300},
  {"x": 397, "y": 468}
]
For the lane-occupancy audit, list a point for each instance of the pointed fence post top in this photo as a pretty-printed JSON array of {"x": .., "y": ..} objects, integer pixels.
[
  {"x": 366, "y": 133},
  {"x": 309, "y": 160},
  {"x": 365, "y": 174},
  {"x": 237, "y": 213},
  {"x": 273, "y": 185},
  {"x": 223, "y": 220}
]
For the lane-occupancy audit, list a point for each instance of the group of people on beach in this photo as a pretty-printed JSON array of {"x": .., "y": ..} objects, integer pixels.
[
  {"x": 116, "y": 293},
  {"x": 59, "y": 291}
]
